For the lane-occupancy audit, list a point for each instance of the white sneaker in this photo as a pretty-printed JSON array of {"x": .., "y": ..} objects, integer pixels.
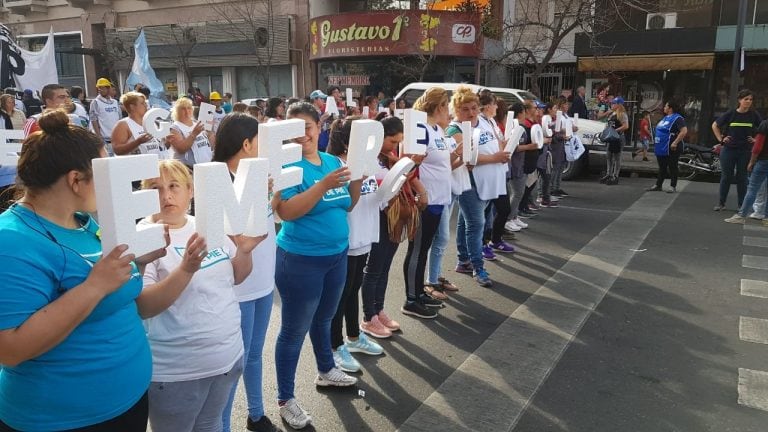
[
  {"x": 335, "y": 377},
  {"x": 295, "y": 415},
  {"x": 511, "y": 226},
  {"x": 736, "y": 219},
  {"x": 520, "y": 223},
  {"x": 756, "y": 215}
]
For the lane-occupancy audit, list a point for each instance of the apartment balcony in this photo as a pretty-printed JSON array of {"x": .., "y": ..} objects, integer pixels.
[
  {"x": 23, "y": 7},
  {"x": 85, "y": 4}
]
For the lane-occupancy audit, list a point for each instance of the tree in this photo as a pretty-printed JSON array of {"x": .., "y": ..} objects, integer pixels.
[
  {"x": 184, "y": 38},
  {"x": 535, "y": 35},
  {"x": 254, "y": 21}
]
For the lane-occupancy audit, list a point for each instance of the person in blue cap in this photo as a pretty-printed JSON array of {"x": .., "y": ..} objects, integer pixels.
[{"x": 318, "y": 98}]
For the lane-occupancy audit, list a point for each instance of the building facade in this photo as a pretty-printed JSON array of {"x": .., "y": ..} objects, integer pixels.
[{"x": 249, "y": 48}]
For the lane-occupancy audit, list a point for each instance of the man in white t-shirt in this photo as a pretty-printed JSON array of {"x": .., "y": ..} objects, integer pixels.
[
  {"x": 219, "y": 114},
  {"x": 105, "y": 113}
]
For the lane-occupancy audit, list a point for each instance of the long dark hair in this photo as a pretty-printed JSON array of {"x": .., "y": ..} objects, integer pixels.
[{"x": 233, "y": 130}]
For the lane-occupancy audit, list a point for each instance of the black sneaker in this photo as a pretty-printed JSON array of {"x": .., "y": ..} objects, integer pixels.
[
  {"x": 262, "y": 425},
  {"x": 430, "y": 302},
  {"x": 562, "y": 193},
  {"x": 417, "y": 309},
  {"x": 526, "y": 214}
]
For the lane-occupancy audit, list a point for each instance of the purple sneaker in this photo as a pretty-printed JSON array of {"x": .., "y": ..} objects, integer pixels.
[
  {"x": 488, "y": 254},
  {"x": 464, "y": 267},
  {"x": 503, "y": 247}
]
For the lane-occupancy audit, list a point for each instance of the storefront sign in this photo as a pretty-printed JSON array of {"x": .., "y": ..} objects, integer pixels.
[
  {"x": 349, "y": 80},
  {"x": 395, "y": 33}
]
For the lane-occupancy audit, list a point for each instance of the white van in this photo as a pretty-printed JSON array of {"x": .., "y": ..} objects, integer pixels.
[{"x": 412, "y": 91}]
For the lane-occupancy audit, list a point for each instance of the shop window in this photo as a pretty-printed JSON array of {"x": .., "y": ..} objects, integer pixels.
[
  {"x": 761, "y": 12},
  {"x": 729, "y": 12}
]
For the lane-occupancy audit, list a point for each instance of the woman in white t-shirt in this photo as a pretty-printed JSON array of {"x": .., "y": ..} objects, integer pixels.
[
  {"x": 485, "y": 185},
  {"x": 197, "y": 345},
  {"x": 363, "y": 223},
  {"x": 434, "y": 172},
  {"x": 238, "y": 139},
  {"x": 128, "y": 136},
  {"x": 189, "y": 140}
]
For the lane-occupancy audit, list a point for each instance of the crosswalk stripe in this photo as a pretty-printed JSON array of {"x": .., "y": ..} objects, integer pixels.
[
  {"x": 753, "y": 330},
  {"x": 754, "y": 288},
  {"x": 755, "y": 228},
  {"x": 756, "y": 241},
  {"x": 754, "y": 262},
  {"x": 753, "y": 388}
]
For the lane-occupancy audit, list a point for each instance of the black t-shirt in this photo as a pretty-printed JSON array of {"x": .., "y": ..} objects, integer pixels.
[
  {"x": 739, "y": 126},
  {"x": 615, "y": 122},
  {"x": 674, "y": 131}
]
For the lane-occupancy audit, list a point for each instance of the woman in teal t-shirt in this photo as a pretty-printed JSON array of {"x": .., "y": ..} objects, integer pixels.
[
  {"x": 73, "y": 353},
  {"x": 311, "y": 264}
]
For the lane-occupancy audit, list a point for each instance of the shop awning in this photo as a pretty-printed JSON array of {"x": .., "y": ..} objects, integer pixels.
[{"x": 647, "y": 63}]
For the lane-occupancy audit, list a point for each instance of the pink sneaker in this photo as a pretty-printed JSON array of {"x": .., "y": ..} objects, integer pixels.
[
  {"x": 375, "y": 328},
  {"x": 388, "y": 322}
]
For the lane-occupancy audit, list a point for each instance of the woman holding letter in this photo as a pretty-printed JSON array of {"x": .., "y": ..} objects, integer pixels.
[
  {"x": 73, "y": 351},
  {"x": 311, "y": 263},
  {"x": 237, "y": 139},
  {"x": 197, "y": 345},
  {"x": 189, "y": 140},
  {"x": 128, "y": 136},
  {"x": 486, "y": 185}
]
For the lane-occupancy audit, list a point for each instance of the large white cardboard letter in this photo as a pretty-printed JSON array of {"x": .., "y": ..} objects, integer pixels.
[
  {"x": 10, "y": 146},
  {"x": 466, "y": 141},
  {"x": 271, "y": 137},
  {"x": 150, "y": 126},
  {"x": 205, "y": 116},
  {"x": 226, "y": 208},
  {"x": 395, "y": 179},
  {"x": 412, "y": 133},
  {"x": 119, "y": 206},
  {"x": 365, "y": 141},
  {"x": 330, "y": 106}
]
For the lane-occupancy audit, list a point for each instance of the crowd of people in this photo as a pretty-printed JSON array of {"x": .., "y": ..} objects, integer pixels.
[{"x": 94, "y": 340}]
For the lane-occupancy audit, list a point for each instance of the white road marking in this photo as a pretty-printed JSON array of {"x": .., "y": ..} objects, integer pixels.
[
  {"x": 494, "y": 386},
  {"x": 754, "y": 288},
  {"x": 754, "y": 262},
  {"x": 587, "y": 209},
  {"x": 756, "y": 241},
  {"x": 753, "y": 388},
  {"x": 753, "y": 330},
  {"x": 758, "y": 228}
]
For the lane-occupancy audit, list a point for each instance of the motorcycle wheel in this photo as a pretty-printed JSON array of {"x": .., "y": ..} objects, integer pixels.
[{"x": 684, "y": 171}]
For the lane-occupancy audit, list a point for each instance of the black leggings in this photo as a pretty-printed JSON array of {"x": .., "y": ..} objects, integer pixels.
[
  {"x": 349, "y": 304},
  {"x": 667, "y": 164},
  {"x": 415, "y": 262},
  {"x": 133, "y": 420},
  {"x": 527, "y": 197},
  {"x": 503, "y": 210}
]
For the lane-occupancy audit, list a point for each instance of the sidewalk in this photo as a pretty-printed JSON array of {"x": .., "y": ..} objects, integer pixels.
[{"x": 638, "y": 165}]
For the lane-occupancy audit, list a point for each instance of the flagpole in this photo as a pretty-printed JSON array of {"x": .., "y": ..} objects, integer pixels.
[{"x": 737, "y": 52}]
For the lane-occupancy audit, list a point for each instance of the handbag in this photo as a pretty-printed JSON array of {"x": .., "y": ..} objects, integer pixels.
[
  {"x": 403, "y": 215},
  {"x": 609, "y": 135}
]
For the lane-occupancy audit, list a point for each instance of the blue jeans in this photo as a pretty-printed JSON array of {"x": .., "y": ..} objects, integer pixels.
[
  {"x": 254, "y": 320},
  {"x": 439, "y": 243},
  {"x": 469, "y": 230},
  {"x": 310, "y": 288},
  {"x": 733, "y": 159},
  {"x": 756, "y": 180}
]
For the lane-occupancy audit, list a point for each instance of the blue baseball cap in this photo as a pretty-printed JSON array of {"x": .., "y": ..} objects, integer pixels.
[
  {"x": 618, "y": 100},
  {"x": 317, "y": 94},
  {"x": 540, "y": 104}
]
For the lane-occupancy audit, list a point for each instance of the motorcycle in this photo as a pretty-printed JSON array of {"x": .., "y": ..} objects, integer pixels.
[{"x": 698, "y": 160}]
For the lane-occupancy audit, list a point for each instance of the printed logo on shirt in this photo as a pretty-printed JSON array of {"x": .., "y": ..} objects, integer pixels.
[
  {"x": 440, "y": 143},
  {"x": 334, "y": 194},
  {"x": 214, "y": 256},
  {"x": 110, "y": 109},
  {"x": 485, "y": 138},
  {"x": 369, "y": 186}
]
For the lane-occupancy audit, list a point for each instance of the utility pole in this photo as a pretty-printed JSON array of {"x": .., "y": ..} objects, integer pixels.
[{"x": 735, "y": 72}]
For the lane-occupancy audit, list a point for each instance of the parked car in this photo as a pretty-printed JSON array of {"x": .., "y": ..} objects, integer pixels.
[
  {"x": 412, "y": 91},
  {"x": 594, "y": 156}
]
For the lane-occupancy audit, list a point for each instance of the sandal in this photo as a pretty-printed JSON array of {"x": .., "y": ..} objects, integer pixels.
[
  {"x": 434, "y": 292},
  {"x": 446, "y": 284}
]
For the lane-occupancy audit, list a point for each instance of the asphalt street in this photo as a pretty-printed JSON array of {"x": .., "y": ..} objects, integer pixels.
[{"x": 630, "y": 321}]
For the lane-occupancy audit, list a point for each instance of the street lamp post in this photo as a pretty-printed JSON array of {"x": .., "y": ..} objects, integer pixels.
[{"x": 735, "y": 70}]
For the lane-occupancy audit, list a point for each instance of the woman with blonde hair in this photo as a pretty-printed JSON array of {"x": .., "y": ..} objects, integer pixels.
[
  {"x": 487, "y": 183},
  {"x": 618, "y": 120},
  {"x": 189, "y": 140},
  {"x": 435, "y": 174},
  {"x": 8, "y": 106},
  {"x": 128, "y": 136},
  {"x": 197, "y": 343}
]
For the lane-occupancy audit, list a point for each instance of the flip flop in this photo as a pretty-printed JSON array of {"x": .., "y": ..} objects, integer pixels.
[{"x": 435, "y": 293}]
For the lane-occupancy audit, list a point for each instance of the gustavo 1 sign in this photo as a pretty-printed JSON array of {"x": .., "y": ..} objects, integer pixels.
[{"x": 395, "y": 33}]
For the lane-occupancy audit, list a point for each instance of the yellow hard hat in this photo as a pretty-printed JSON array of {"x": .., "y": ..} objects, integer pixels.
[
  {"x": 103, "y": 82},
  {"x": 214, "y": 96}
]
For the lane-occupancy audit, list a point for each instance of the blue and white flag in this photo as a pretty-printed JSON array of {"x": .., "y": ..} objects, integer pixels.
[{"x": 142, "y": 72}]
